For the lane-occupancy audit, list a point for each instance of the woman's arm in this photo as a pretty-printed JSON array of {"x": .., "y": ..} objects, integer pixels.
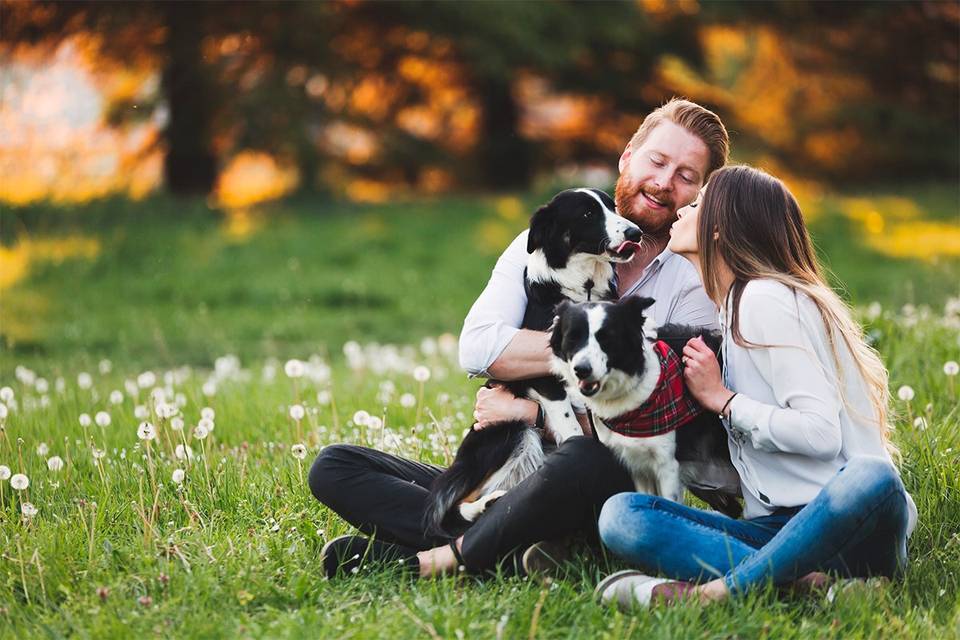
[
  {"x": 806, "y": 419},
  {"x": 491, "y": 343}
]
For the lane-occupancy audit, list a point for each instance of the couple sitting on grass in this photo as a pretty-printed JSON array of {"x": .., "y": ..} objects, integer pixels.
[{"x": 803, "y": 399}]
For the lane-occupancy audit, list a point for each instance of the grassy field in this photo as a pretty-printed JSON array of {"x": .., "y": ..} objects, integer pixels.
[{"x": 120, "y": 307}]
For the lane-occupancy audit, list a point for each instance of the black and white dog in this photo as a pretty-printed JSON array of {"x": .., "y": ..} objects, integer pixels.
[
  {"x": 629, "y": 374},
  {"x": 573, "y": 242}
]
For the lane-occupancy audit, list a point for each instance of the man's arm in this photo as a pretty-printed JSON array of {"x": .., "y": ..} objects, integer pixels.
[{"x": 491, "y": 342}]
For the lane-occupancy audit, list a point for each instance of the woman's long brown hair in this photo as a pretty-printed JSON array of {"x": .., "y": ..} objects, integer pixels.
[{"x": 751, "y": 221}]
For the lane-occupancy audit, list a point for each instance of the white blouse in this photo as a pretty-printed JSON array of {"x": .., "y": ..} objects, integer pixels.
[{"x": 789, "y": 430}]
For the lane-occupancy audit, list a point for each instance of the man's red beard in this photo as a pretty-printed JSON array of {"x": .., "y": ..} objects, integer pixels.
[{"x": 630, "y": 204}]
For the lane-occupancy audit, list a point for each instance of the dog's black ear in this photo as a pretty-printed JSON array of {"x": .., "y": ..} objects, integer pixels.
[
  {"x": 556, "y": 329},
  {"x": 634, "y": 307},
  {"x": 543, "y": 225}
]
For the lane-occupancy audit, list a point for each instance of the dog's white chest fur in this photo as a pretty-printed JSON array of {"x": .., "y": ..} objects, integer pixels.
[{"x": 580, "y": 268}]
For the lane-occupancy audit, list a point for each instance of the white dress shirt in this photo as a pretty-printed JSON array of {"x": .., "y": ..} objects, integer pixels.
[
  {"x": 790, "y": 431},
  {"x": 496, "y": 315}
]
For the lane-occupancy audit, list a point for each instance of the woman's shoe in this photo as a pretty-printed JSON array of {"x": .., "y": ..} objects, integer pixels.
[{"x": 630, "y": 589}]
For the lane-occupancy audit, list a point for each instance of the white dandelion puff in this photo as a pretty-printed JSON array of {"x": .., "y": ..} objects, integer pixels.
[
  {"x": 920, "y": 423},
  {"x": 299, "y": 451},
  {"x": 42, "y": 449},
  {"x": 140, "y": 412},
  {"x": 85, "y": 420},
  {"x": 178, "y": 475},
  {"x": 905, "y": 393},
  {"x": 102, "y": 419},
  {"x": 208, "y": 413},
  {"x": 41, "y": 385},
  {"x": 361, "y": 417},
  {"x": 6, "y": 394},
  {"x": 146, "y": 431},
  {"x": 421, "y": 373},
  {"x": 4, "y": 412},
  {"x": 55, "y": 463},
  {"x": 294, "y": 369},
  {"x": 323, "y": 397},
  {"x": 98, "y": 453},
  {"x": 206, "y": 424},
  {"x": 28, "y": 510},
  {"x": 105, "y": 366},
  {"x": 19, "y": 481},
  {"x": 84, "y": 380},
  {"x": 951, "y": 368},
  {"x": 176, "y": 423},
  {"x": 4, "y": 472},
  {"x": 146, "y": 379},
  {"x": 200, "y": 432},
  {"x": 408, "y": 400},
  {"x": 374, "y": 422},
  {"x": 297, "y": 412},
  {"x": 116, "y": 396},
  {"x": 183, "y": 452},
  {"x": 209, "y": 388}
]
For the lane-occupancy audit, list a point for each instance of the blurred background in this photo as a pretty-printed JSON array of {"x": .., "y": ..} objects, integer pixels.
[{"x": 180, "y": 180}]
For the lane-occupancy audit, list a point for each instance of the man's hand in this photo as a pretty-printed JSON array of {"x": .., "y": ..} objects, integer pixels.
[
  {"x": 701, "y": 372},
  {"x": 497, "y": 404}
]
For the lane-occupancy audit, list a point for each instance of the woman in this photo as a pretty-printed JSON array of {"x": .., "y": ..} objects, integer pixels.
[{"x": 804, "y": 401}]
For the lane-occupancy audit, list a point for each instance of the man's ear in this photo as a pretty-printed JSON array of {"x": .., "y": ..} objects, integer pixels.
[
  {"x": 625, "y": 156},
  {"x": 543, "y": 225}
]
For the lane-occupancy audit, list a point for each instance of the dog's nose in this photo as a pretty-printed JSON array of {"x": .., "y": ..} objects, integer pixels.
[
  {"x": 633, "y": 234},
  {"x": 582, "y": 370}
]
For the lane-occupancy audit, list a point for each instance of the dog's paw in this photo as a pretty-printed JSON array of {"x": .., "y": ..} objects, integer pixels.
[{"x": 470, "y": 511}]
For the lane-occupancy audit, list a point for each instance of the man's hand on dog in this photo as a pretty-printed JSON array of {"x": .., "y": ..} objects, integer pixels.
[
  {"x": 496, "y": 404},
  {"x": 701, "y": 372}
]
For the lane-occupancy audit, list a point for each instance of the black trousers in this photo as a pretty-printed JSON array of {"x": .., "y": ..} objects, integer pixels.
[{"x": 385, "y": 495}]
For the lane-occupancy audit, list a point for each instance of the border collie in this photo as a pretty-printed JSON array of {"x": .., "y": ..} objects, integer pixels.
[
  {"x": 573, "y": 242},
  {"x": 630, "y": 376}
]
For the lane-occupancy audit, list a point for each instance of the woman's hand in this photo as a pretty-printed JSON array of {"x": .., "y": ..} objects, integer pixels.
[
  {"x": 701, "y": 372},
  {"x": 496, "y": 404}
]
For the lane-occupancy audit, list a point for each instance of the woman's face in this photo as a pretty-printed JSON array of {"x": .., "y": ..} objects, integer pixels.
[{"x": 683, "y": 232}]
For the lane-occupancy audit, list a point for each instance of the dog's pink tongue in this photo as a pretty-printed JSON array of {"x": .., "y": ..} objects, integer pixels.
[{"x": 627, "y": 244}]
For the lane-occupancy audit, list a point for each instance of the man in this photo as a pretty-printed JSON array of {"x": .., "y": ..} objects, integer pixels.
[{"x": 662, "y": 169}]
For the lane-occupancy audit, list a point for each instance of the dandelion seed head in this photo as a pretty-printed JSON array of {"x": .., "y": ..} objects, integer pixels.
[
  {"x": 42, "y": 449},
  {"x": 951, "y": 368},
  {"x": 920, "y": 423},
  {"x": 298, "y": 451},
  {"x": 374, "y": 422},
  {"x": 297, "y": 412},
  {"x": 183, "y": 452},
  {"x": 208, "y": 413},
  {"x": 3, "y": 411},
  {"x": 146, "y": 431},
  {"x": 408, "y": 400},
  {"x": 19, "y": 481},
  {"x": 41, "y": 385},
  {"x": 200, "y": 432},
  {"x": 323, "y": 397},
  {"x": 28, "y": 510},
  {"x": 176, "y": 423},
  {"x": 294, "y": 368},
  {"x": 209, "y": 388},
  {"x": 84, "y": 380},
  {"x": 55, "y": 463},
  {"x": 104, "y": 366},
  {"x": 116, "y": 396},
  {"x": 6, "y": 394},
  {"x": 206, "y": 424},
  {"x": 361, "y": 417},
  {"x": 4, "y": 472},
  {"x": 85, "y": 420},
  {"x": 98, "y": 453},
  {"x": 146, "y": 379},
  {"x": 421, "y": 373},
  {"x": 905, "y": 393},
  {"x": 178, "y": 475}
]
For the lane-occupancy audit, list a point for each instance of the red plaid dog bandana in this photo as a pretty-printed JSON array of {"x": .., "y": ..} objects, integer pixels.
[{"x": 667, "y": 409}]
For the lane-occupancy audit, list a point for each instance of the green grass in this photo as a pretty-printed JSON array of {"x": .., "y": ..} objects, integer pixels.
[{"x": 237, "y": 546}]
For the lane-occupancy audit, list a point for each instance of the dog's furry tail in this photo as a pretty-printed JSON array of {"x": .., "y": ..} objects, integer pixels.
[{"x": 480, "y": 454}]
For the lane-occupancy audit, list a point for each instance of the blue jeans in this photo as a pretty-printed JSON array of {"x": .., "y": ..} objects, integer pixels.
[{"x": 856, "y": 527}]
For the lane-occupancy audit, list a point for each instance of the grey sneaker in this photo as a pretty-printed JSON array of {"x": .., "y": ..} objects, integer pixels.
[
  {"x": 544, "y": 559},
  {"x": 631, "y": 589}
]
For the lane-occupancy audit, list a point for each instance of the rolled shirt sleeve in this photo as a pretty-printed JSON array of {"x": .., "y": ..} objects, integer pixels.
[
  {"x": 496, "y": 315},
  {"x": 806, "y": 419}
]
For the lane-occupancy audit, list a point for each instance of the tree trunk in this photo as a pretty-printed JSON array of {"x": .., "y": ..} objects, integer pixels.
[
  {"x": 190, "y": 165},
  {"x": 503, "y": 155}
]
